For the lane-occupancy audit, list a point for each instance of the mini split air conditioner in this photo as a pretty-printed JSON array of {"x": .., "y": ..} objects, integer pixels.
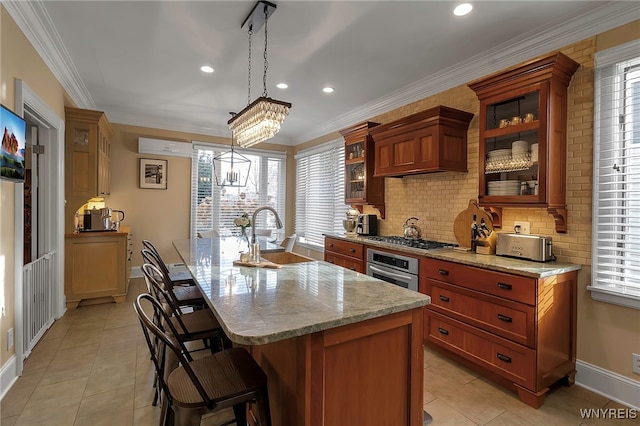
[{"x": 162, "y": 147}]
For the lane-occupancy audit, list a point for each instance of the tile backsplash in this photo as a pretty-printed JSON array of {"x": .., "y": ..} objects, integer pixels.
[{"x": 437, "y": 198}]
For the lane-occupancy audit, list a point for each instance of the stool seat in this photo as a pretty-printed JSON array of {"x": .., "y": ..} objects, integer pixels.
[
  {"x": 225, "y": 376},
  {"x": 198, "y": 324},
  {"x": 188, "y": 296}
]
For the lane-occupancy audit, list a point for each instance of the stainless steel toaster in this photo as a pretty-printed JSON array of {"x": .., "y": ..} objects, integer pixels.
[{"x": 531, "y": 247}]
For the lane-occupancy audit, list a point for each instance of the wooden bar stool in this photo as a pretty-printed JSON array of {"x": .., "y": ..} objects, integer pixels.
[
  {"x": 177, "y": 278},
  {"x": 230, "y": 378},
  {"x": 184, "y": 295}
]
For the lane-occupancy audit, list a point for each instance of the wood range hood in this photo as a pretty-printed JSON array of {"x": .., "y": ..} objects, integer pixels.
[{"x": 433, "y": 140}]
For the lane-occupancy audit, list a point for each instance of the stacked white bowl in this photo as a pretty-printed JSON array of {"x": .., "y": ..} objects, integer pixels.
[
  {"x": 534, "y": 153},
  {"x": 503, "y": 187},
  {"x": 497, "y": 153},
  {"x": 519, "y": 148}
]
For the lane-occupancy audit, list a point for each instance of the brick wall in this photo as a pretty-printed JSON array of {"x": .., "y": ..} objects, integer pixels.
[{"x": 437, "y": 198}]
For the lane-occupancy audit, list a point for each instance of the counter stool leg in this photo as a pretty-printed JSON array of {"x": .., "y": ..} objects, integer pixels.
[
  {"x": 240, "y": 412},
  {"x": 264, "y": 412}
]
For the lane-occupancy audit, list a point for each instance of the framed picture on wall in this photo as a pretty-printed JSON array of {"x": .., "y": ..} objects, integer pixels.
[{"x": 153, "y": 173}]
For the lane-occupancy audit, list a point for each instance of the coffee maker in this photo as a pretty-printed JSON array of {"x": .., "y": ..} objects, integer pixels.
[
  {"x": 367, "y": 224},
  {"x": 102, "y": 219}
]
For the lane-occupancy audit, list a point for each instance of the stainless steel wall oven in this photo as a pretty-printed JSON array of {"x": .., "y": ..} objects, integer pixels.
[{"x": 393, "y": 268}]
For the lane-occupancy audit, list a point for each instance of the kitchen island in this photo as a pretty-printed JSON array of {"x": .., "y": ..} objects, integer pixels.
[{"x": 338, "y": 347}]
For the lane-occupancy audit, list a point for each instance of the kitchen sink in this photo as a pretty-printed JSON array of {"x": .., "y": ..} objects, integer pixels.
[{"x": 285, "y": 257}]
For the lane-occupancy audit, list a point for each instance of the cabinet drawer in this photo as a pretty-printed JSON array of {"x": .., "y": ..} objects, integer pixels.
[
  {"x": 511, "y": 320},
  {"x": 346, "y": 248},
  {"x": 513, "y": 287},
  {"x": 510, "y": 360},
  {"x": 345, "y": 262}
]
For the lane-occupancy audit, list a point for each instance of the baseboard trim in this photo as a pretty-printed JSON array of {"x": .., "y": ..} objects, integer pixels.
[
  {"x": 136, "y": 272},
  {"x": 8, "y": 375},
  {"x": 608, "y": 384}
]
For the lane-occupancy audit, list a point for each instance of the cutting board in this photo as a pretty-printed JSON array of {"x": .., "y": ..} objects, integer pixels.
[
  {"x": 462, "y": 223},
  {"x": 262, "y": 264}
]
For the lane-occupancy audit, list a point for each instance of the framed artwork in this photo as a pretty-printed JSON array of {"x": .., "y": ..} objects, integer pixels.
[{"x": 153, "y": 173}]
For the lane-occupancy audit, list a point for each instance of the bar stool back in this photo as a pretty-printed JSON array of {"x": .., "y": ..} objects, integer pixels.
[{"x": 230, "y": 378}]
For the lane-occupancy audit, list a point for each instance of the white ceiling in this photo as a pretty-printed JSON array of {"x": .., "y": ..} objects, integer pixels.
[{"x": 139, "y": 61}]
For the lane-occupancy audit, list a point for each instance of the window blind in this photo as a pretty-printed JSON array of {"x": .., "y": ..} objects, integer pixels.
[
  {"x": 215, "y": 208},
  {"x": 616, "y": 180},
  {"x": 320, "y": 205}
]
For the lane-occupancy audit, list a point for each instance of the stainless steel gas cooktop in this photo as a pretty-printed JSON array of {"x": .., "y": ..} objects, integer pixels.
[{"x": 419, "y": 243}]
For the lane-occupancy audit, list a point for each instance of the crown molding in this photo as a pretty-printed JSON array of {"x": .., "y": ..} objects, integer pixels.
[
  {"x": 35, "y": 23},
  {"x": 152, "y": 123},
  {"x": 551, "y": 37}
]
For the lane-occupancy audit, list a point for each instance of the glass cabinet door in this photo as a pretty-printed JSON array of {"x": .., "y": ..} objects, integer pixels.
[
  {"x": 355, "y": 172},
  {"x": 511, "y": 146}
]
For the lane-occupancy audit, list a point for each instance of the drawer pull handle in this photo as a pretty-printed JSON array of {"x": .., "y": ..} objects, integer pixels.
[
  {"x": 504, "y": 318},
  {"x": 353, "y": 268},
  {"x": 504, "y": 357},
  {"x": 330, "y": 244},
  {"x": 331, "y": 261},
  {"x": 352, "y": 250},
  {"x": 444, "y": 298},
  {"x": 443, "y": 272},
  {"x": 443, "y": 331},
  {"x": 505, "y": 286}
]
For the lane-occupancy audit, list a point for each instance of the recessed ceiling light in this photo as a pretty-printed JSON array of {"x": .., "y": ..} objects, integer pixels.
[
  {"x": 328, "y": 89},
  {"x": 282, "y": 85},
  {"x": 206, "y": 68},
  {"x": 462, "y": 9}
]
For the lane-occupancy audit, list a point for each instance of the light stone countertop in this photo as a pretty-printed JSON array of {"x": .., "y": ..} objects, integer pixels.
[
  {"x": 509, "y": 265},
  {"x": 259, "y": 305}
]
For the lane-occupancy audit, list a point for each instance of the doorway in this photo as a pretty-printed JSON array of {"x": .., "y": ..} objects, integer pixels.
[{"x": 45, "y": 241}]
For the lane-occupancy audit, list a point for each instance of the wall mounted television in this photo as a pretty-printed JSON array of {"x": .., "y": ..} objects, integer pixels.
[{"x": 14, "y": 139}]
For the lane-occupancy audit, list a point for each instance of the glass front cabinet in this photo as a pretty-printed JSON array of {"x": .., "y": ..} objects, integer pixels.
[
  {"x": 523, "y": 133},
  {"x": 361, "y": 188}
]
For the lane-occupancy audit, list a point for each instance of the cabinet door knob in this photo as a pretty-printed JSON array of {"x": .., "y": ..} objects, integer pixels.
[
  {"x": 443, "y": 331},
  {"x": 444, "y": 298},
  {"x": 352, "y": 250},
  {"x": 330, "y": 244},
  {"x": 504, "y": 358},
  {"x": 505, "y": 286},
  {"x": 443, "y": 272},
  {"x": 504, "y": 318}
]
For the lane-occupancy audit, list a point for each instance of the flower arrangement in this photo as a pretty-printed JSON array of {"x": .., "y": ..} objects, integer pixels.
[{"x": 243, "y": 222}]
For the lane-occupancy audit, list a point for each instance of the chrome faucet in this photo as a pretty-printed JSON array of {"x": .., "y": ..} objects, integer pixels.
[{"x": 253, "y": 221}]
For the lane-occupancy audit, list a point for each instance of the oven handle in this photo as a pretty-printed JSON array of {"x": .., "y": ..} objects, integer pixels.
[{"x": 403, "y": 277}]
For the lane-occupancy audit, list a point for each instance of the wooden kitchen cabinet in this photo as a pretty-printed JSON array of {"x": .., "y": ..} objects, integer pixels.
[
  {"x": 433, "y": 140},
  {"x": 518, "y": 331},
  {"x": 97, "y": 266},
  {"x": 87, "y": 158},
  {"x": 361, "y": 187},
  {"x": 347, "y": 254},
  {"x": 529, "y": 104}
]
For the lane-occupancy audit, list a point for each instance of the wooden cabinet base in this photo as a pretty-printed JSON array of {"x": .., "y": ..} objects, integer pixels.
[
  {"x": 366, "y": 373},
  {"x": 73, "y": 304},
  {"x": 97, "y": 267}
]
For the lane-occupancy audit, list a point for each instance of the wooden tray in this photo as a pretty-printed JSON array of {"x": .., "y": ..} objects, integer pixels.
[
  {"x": 262, "y": 264},
  {"x": 462, "y": 223}
]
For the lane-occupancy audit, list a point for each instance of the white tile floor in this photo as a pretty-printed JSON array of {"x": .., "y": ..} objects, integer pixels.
[{"x": 92, "y": 368}]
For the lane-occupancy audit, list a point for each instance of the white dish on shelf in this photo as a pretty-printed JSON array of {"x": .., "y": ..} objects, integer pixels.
[
  {"x": 499, "y": 153},
  {"x": 520, "y": 145}
]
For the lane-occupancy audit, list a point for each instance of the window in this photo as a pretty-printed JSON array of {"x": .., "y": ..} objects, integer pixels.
[
  {"x": 320, "y": 205},
  {"x": 214, "y": 207},
  {"x": 616, "y": 177}
]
